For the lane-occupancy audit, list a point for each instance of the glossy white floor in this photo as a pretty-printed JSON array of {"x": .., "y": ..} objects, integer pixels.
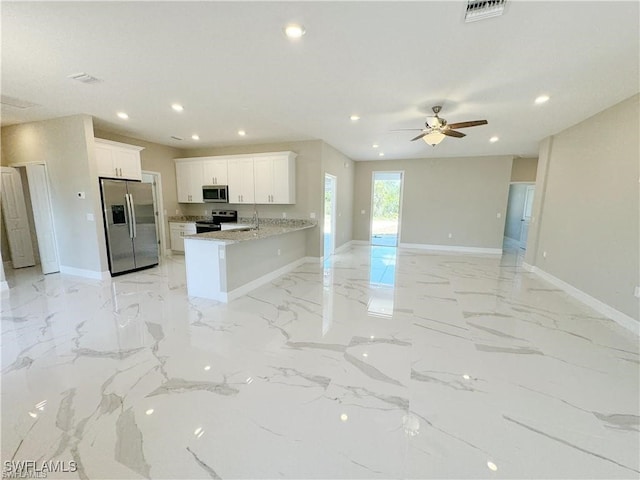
[{"x": 420, "y": 366}]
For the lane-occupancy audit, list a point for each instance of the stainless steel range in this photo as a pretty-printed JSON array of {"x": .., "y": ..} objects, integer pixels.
[{"x": 217, "y": 217}]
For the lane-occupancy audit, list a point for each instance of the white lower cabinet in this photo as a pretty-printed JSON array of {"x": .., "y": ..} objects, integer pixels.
[{"x": 178, "y": 231}]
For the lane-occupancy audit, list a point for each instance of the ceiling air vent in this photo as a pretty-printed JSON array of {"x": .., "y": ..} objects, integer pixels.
[
  {"x": 83, "y": 77},
  {"x": 481, "y": 9},
  {"x": 16, "y": 102}
]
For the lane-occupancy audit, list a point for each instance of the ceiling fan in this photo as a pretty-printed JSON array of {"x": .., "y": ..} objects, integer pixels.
[{"x": 437, "y": 128}]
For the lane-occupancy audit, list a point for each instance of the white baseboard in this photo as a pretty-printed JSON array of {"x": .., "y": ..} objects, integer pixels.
[
  {"x": 617, "y": 316},
  {"x": 360, "y": 242},
  {"x": 453, "y": 248},
  {"x": 258, "y": 282},
  {"x": 344, "y": 247},
  {"x": 316, "y": 260},
  {"x": 4, "y": 286},
  {"x": 81, "y": 272}
]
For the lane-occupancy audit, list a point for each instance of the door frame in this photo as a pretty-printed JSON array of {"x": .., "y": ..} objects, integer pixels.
[
  {"x": 157, "y": 189},
  {"x": 531, "y": 183},
  {"x": 373, "y": 179},
  {"x": 334, "y": 222}
]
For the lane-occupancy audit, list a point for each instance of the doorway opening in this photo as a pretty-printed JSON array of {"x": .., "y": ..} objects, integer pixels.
[
  {"x": 27, "y": 218},
  {"x": 155, "y": 179},
  {"x": 386, "y": 199},
  {"x": 329, "y": 225},
  {"x": 519, "y": 207}
]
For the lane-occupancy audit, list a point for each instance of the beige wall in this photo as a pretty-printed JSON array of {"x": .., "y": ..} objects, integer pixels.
[
  {"x": 524, "y": 169},
  {"x": 589, "y": 207},
  {"x": 309, "y": 185},
  {"x": 65, "y": 145},
  {"x": 156, "y": 158},
  {"x": 343, "y": 168},
  {"x": 461, "y": 196}
]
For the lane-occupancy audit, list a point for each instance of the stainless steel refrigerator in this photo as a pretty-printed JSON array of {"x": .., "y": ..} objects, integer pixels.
[{"x": 130, "y": 225}]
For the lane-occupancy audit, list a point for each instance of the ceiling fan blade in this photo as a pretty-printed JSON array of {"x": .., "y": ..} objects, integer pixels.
[
  {"x": 419, "y": 136},
  {"x": 473, "y": 123},
  {"x": 453, "y": 133},
  {"x": 408, "y": 130}
]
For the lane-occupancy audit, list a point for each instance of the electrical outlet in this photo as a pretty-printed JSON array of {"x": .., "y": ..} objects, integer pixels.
[
  {"x": 312, "y": 215},
  {"x": 498, "y": 215},
  {"x": 544, "y": 254},
  {"x": 362, "y": 212},
  {"x": 278, "y": 252},
  {"x": 91, "y": 217},
  {"x": 284, "y": 214},
  {"x": 451, "y": 235}
]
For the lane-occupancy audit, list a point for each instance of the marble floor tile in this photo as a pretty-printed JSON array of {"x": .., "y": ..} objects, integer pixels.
[{"x": 378, "y": 363}]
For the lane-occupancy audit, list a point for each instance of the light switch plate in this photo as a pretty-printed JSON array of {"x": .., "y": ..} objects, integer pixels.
[
  {"x": 91, "y": 217},
  {"x": 312, "y": 215},
  {"x": 637, "y": 292}
]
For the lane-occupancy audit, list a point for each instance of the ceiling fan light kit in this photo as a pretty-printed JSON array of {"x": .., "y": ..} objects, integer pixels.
[
  {"x": 437, "y": 128},
  {"x": 433, "y": 138}
]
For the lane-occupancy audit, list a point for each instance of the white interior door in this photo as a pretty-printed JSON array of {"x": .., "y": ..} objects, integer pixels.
[
  {"x": 43, "y": 218},
  {"x": 526, "y": 215},
  {"x": 15, "y": 219}
]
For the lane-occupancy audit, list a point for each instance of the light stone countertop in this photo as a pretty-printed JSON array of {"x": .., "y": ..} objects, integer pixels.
[{"x": 265, "y": 231}]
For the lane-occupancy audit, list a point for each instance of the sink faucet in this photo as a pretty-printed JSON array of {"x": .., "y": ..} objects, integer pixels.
[{"x": 256, "y": 219}]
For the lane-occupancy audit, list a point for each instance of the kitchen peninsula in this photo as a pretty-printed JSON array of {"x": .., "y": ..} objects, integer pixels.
[{"x": 227, "y": 264}]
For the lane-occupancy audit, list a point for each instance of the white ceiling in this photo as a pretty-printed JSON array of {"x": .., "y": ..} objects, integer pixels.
[{"x": 231, "y": 67}]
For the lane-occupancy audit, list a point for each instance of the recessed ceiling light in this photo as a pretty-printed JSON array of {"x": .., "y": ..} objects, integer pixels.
[
  {"x": 381, "y": 154},
  {"x": 494, "y": 139},
  {"x": 354, "y": 118},
  {"x": 195, "y": 137},
  {"x": 242, "y": 133},
  {"x": 177, "y": 107},
  {"x": 294, "y": 30},
  {"x": 123, "y": 115},
  {"x": 375, "y": 145},
  {"x": 542, "y": 99},
  {"x": 149, "y": 412},
  {"x": 492, "y": 466}
]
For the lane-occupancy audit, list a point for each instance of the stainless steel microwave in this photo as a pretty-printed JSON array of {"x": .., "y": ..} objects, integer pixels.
[{"x": 215, "y": 194}]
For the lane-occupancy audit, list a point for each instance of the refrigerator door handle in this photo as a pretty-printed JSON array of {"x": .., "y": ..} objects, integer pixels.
[
  {"x": 133, "y": 216},
  {"x": 129, "y": 214}
]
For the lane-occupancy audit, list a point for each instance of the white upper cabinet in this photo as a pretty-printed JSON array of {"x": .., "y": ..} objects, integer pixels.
[
  {"x": 275, "y": 175},
  {"x": 241, "y": 180},
  {"x": 118, "y": 160},
  {"x": 189, "y": 176},
  {"x": 256, "y": 178},
  {"x": 215, "y": 171}
]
